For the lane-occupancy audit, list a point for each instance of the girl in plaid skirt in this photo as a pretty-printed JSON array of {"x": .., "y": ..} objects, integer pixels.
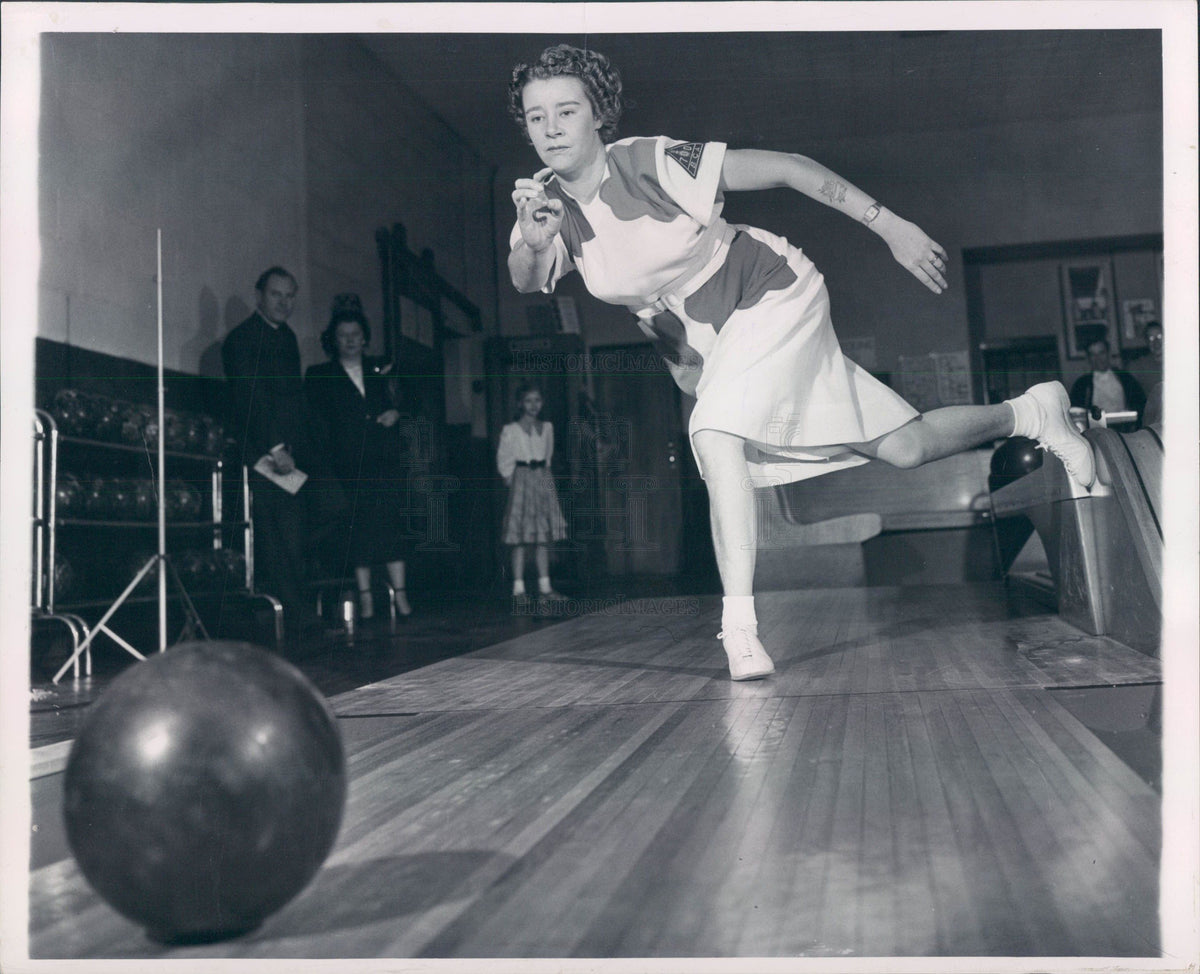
[{"x": 532, "y": 517}]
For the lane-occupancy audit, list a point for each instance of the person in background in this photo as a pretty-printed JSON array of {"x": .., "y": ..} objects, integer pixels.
[
  {"x": 262, "y": 367},
  {"x": 1153, "y": 413},
  {"x": 741, "y": 317},
  {"x": 354, "y": 407},
  {"x": 533, "y": 517},
  {"x": 1109, "y": 389}
]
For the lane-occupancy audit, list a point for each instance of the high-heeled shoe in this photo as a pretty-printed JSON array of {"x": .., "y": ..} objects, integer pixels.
[{"x": 403, "y": 609}]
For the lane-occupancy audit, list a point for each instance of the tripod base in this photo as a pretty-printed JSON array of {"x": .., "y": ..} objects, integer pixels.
[{"x": 192, "y": 623}]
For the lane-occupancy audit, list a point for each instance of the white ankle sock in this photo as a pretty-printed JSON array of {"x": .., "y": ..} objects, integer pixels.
[
  {"x": 544, "y": 585},
  {"x": 737, "y": 611},
  {"x": 1026, "y": 419},
  {"x": 519, "y": 587}
]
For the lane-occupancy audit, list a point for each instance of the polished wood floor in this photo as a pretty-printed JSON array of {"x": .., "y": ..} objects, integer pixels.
[
  {"x": 444, "y": 625},
  {"x": 912, "y": 782}
]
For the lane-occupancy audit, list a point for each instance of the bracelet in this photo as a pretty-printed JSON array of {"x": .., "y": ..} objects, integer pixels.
[{"x": 872, "y": 212}]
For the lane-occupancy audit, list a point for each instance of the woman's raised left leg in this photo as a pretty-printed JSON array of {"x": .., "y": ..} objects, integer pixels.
[
  {"x": 940, "y": 433},
  {"x": 1041, "y": 413}
]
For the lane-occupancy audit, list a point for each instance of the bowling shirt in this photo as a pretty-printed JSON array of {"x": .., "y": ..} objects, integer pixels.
[{"x": 739, "y": 315}]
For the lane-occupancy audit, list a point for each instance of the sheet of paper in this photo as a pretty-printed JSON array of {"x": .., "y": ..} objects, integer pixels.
[{"x": 291, "y": 482}]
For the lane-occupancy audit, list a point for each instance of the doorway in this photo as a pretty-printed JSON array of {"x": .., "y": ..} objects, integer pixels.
[{"x": 645, "y": 466}]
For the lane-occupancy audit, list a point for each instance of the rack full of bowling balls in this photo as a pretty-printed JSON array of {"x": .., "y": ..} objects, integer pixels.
[
  {"x": 200, "y": 570},
  {"x": 210, "y": 570},
  {"x": 86, "y": 574},
  {"x": 108, "y": 498},
  {"x": 102, "y": 495},
  {"x": 91, "y": 415}
]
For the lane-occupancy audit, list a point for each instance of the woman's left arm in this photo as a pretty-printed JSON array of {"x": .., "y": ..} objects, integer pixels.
[
  {"x": 909, "y": 244},
  {"x": 381, "y": 379}
]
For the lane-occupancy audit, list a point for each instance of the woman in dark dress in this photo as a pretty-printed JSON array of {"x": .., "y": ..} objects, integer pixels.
[{"x": 353, "y": 405}]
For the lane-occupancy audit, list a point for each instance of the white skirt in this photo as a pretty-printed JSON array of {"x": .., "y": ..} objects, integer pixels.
[{"x": 775, "y": 376}]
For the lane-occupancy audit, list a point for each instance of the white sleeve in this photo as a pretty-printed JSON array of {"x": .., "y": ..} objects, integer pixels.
[
  {"x": 506, "y": 453},
  {"x": 690, "y": 173},
  {"x": 563, "y": 265}
]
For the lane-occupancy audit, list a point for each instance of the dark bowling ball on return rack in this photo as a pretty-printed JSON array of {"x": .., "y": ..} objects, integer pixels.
[
  {"x": 145, "y": 500},
  {"x": 140, "y": 426},
  {"x": 64, "y": 578},
  {"x": 195, "y": 432},
  {"x": 122, "y": 501},
  {"x": 171, "y": 502},
  {"x": 150, "y": 429},
  {"x": 214, "y": 437},
  {"x": 204, "y": 790},
  {"x": 231, "y": 567},
  {"x": 1013, "y": 459},
  {"x": 132, "y": 423},
  {"x": 74, "y": 412},
  {"x": 97, "y": 498},
  {"x": 110, "y": 414},
  {"x": 174, "y": 431},
  {"x": 69, "y": 496},
  {"x": 184, "y": 502},
  {"x": 196, "y": 570}
]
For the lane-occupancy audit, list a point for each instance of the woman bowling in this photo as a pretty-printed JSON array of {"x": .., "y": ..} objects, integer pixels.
[{"x": 741, "y": 317}]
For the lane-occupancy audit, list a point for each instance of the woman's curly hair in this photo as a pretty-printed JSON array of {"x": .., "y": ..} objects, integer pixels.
[
  {"x": 600, "y": 79},
  {"x": 346, "y": 307}
]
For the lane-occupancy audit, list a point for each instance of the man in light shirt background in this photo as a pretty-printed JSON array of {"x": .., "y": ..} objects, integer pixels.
[{"x": 1109, "y": 389}]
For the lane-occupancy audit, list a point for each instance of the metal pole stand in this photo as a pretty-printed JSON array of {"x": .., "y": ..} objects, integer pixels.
[{"x": 192, "y": 622}]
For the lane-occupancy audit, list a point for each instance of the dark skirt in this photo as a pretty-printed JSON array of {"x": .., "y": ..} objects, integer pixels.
[
  {"x": 533, "y": 515},
  {"x": 378, "y": 512}
]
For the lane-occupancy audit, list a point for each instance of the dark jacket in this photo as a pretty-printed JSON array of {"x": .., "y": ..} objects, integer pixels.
[
  {"x": 267, "y": 404},
  {"x": 344, "y": 420},
  {"x": 1135, "y": 395}
]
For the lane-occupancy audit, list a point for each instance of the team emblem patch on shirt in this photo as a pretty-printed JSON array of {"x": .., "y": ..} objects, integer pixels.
[{"x": 687, "y": 154}]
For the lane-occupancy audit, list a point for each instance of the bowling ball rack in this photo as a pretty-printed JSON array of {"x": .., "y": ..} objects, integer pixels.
[{"x": 71, "y": 586}]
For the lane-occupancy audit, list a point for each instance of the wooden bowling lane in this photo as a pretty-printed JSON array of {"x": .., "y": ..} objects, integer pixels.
[
  {"x": 822, "y": 641},
  {"x": 905, "y": 786}
]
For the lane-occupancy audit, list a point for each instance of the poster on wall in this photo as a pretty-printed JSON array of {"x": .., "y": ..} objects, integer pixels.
[
  {"x": 1136, "y": 313},
  {"x": 953, "y": 372},
  {"x": 919, "y": 381},
  {"x": 936, "y": 379},
  {"x": 1088, "y": 305}
]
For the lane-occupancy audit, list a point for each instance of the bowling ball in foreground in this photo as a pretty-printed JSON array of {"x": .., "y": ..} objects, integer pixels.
[
  {"x": 204, "y": 790},
  {"x": 1013, "y": 459}
]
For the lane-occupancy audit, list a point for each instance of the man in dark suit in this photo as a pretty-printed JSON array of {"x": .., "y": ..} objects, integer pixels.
[
  {"x": 262, "y": 366},
  {"x": 1111, "y": 390}
]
